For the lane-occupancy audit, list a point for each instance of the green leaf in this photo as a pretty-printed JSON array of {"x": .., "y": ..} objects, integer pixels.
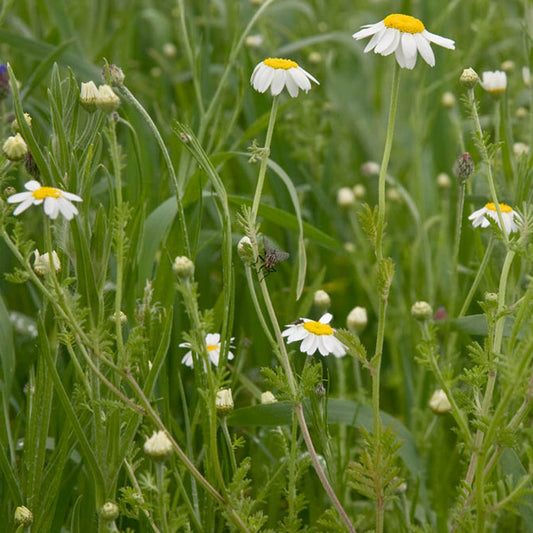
[
  {"x": 512, "y": 466},
  {"x": 477, "y": 325},
  {"x": 7, "y": 350}
]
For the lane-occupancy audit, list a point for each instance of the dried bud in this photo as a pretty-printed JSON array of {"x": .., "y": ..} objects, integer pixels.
[
  {"x": 224, "y": 401},
  {"x": 345, "y": 197},
  {"x": 267, "y": 397},
  {"x": 88, "y": 96},
  {"x": 8, "y": 191},
  {"x": 107, "y": 100},
  {"x": 320, "y": 390},
  {"x": 321, "y": 301},
  {"x": 15, "y": 148},
  {"x": 183, "y": 267},
  {"x": 357, "y": 320},
  {"x": 113, "y": 75},
  {"x": 421, "y": 311},
  {"x": 23, "y": 516},
  {"x": 448, "y": 100},
  {"x": 469, "y": 78},
  {"x": 439, "y": 402},
  {"x": 443, "y": 181},
  {"x": 4, "y": 82},
  {"x": 31, "y": 166},
  {"x": 109, "y": 511},
  {"x": 463, "y": 167},
  {"x": 15, "y": 124},
  {"x": 41, "y": 263},
  {"x": 158, "y": 446}
]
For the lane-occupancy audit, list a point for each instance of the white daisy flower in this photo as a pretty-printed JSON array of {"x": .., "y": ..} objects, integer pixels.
[
  {"x": 404, "y": 35},
  {"x": 494, "y": 83},
  {"x": 315, "y": 336},
  {"x": 278, "y": 73},
  {"x": 509, "y": 217},
  {"x": 55, "y": 200},
  {"x": 212, "y": 345}
]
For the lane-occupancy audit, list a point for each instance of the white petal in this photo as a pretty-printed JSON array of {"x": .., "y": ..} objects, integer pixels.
[
  {"x": 322, "y": 347},
  {"x": 308, "y": 344},
  {"x": 408, "y": 46},
  {"x": 375, "y": 40},
  {"x": 299, "y": 77},
  {"x": 187, "y": 359},
  {"x": 212, "y": 338},
  {"x": 298, "y": 335},
  {"x": 20, "y": 197},
  {"x": 440, "y": 41},
  {"x": 425, "y": 49},
  {"x": 23, "y": 206},
  {"x": 32, "y": 185},
  {"x": 326, "y": 318},
  {"x": 72, "y": 197},
  {"x": 256, "y": 70},
  {"x": 214, "y": 355},
  {"x": 400, "y": 57},
  {"x": 312, "y": 78},
  {"x": 51, "y": 207},
  {"x": 278, "y": 82},
  {"x": 385, "y": 41},
  {"x": 67, "y": 209},
  {"x": 394, "y": 43},
  {"x": 370, "y": 29},
  {"x": 264, "y": 79},
  {"x": 230, "y": 356},
  {"x": 291, "y": 86}
]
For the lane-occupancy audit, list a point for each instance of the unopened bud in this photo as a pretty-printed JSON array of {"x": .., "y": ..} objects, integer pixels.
[
  {"x": 170, "y": 50},
  {"x": 158, "y": 446},
  {"x": 88, "y": 96},
  {"x": 267, "y": 397},
  {"x": 443, "y": 181},
  {"x": 469, "y": 78},
  {"x": 109, "y": 511},
  {"x": 421, "y": 311},
  {"x": 322, "y": 301},
  {"x": 183, "y": 267},
  {"x": 359, "y": 191},
  {"x": 15, "y": 125},
  {"x": 224, "y": 401},
  {"x": 370, "y": 168},
  {"x": 113, "y": 75},
  {"x": 15, "y": 148},
  {"x": 521, "y": 112},
  {"x": 439, "y": 402},
  {"x": 41, "y": 263},
  {"x": 508, "y": 65},
  {"x": 357, "y": 319},
  {"x": 491, "y": 300},
  {"x": 253, "y": 41},
  {"x": 448, "y": 100},
  {"x": 107, "y": 100},
  {"x": 520, "y": 149},
  {"x": 320, "y": 390},
  {"x": 122, "y": 317},
  {"x": 394, "y": 194},
  {"x": 314, "y": 57},
  {"x": 23, "y": 516},
  {"x": 345, "y": 197},
  {"x": 245, "y": 250},
  {"x": 463, "y": 167}
]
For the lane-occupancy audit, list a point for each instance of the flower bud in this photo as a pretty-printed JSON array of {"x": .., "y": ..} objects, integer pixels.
[
  {"x": 314, "y": 57},
  {"x": 107, "y": 101},
  {"x": 370, "y": 168},
  {"x": 245, "y": 250},
  {"x": 463, "y": 167},
  {"x": 508, "y": 65},
  {"x": 169, "y": 50},
  {"x": 267, "y": 397},
  {"x": 321, "y": 301},
  {"x": 439, "y": 402},
  {"x": 495, "y": 83},
  {"x": 109, "y": 511},
  {"x": 41, "y": 263},
  {"x": 357, "y": 320},
  {"x": 491, "y": 300},
  {"x": 88, "y": 96},
  {"x": 421, "y": 311},
  {"x": 345, "y": 197},
  {"x": 469, "y": 78},
  {"x": 394, "y": 194},
  {"x": 526, "y": 76},
  {"x": 359, "y": 191},
  {"x": 224, "y": 401},
  {"x": 123, "y": 318},
  {"x": 320, "y": 390},
  {"x": 113, "y": 75},
  {"x": 15, "y": 148},
  {"x": 448, "y": 100},
  {"x": 15, "y": 124},
  {"x": 443, "y": 181},
  {"x": 521, "y": 112},
  {"x": 520, "y": 149},
  {"x": 158, "y": 446},
  {"x": 9, "y": 190},
  {"x": 183, "y": 267},
  {"x": 253, "y": 41},
  {"x": 23, "y": 516}
]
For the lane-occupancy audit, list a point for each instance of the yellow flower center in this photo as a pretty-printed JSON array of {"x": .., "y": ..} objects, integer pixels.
[
  {"x": 211, "y": 347},
  {"x": 404, "y": 23},
  {"x": 317, "y": 328},
  {"x": 285, "y": 64},
  {"x": 504, "y": 208},
  {"x": 46, "y": 192}
]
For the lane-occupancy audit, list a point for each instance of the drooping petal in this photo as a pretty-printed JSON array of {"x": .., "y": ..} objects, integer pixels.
[
  {"x": 20, "y": 197},
  {"x": 51, "y": 207},
  {"x": 438, "y": 40},
  {"x": 386, "y": 40},
  {"x": 23, "y": 206},
  {"x": 425, "y": 49},
  {"x": 394, "y": 43},
  {"x": 278, "y": 82},
  {"x": 371, "y": 29},
  {"x": 375, "y": 40}
]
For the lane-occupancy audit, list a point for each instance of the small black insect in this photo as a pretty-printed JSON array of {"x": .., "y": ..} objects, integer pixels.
[{"x": 271, "y": 257}]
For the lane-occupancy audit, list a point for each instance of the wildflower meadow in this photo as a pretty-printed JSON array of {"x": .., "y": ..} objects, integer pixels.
[{"x": 266, "y": 266}]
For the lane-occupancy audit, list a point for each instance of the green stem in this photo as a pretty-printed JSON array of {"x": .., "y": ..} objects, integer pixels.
[
  {"x": 161, "y": 496},
  {"x": 229, "y": 444},
  {"x": 264, "y": 159},
  {"x": 486, "y": 158},
  {"x": 148, "y": 119},
  {"x": 456, "y": 246}
]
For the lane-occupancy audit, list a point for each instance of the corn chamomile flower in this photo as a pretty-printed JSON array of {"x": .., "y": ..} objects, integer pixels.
[
  {"x": 495, "y": 83},
  {"x": 404, "y": 35},
  {"x": 55, "y": 200},
  {"x": 509, "y": 217},
  {"x": 212, "y": 344},
  {"x": 275, "y": 73},
  {"x": 315, "y": 336}
]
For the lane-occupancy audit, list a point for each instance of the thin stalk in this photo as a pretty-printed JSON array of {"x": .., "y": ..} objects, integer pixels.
[
  {"x": 229, "y": 444},
  {"x": 486, "y": 158},
  {"x": 456, "y": 246},
  {"x": 148, "y": 119},
  {"x": 161, "y": 495},
  {"x": 264, "y": 158}
]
